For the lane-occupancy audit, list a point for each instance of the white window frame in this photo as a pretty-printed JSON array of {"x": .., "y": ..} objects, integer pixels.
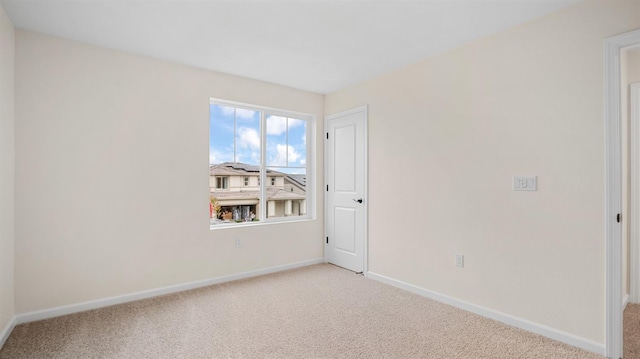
[
  {"x": 223, "y": 180},
  {"x": 311, "y": 151}
]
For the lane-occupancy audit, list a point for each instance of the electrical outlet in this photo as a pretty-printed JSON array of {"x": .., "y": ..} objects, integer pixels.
[
  {"x": 522, "y": 183},
  {"x": 238, "y": 243},
  {"x": 459, "y": 260}
]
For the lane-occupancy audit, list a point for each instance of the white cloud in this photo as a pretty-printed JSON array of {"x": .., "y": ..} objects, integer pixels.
[
  {"x": 293, "y": 122},
  {"x": 293, "y": 154},
  {"x": 248, "y": 157},
  {"x": 248, "y": 138},
  {"x": 281, "y": 155},
  {"x": 248, "y": 143},
  {"x": 227, "y": 111},
  {"x": 245, "y": 114},
  {"x": 218, "y": 156},
  {"x": 277, "y": 125},
  {"x": 240, "y": 113}
]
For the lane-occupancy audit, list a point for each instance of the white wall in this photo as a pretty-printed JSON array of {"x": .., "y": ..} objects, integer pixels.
[
  {"x": 634, "y": 65},
  {"x": 6, "y": 170},
  {"x": 112, "y": 175},
  {"x": 528, "y": 101}
]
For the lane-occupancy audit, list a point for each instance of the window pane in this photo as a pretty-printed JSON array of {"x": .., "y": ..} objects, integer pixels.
[
  {"x": 234, "y": 153},
  {"x": 297, "y": 138},
  {"x": 231, "y": 200},
  {"x": 288, "y": 198},
  {"x": 276, "y": 141},
  {"x": 247, "y": 137},
  {"x": 221, "y": 124}
]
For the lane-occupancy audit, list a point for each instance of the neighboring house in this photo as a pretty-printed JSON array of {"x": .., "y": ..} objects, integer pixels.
[{"x": 236, "y": 189}]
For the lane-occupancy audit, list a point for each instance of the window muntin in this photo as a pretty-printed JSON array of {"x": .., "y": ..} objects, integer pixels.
[{"x": 258, "y": 143}]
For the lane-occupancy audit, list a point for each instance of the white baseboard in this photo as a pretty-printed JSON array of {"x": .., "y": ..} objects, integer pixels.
[
  {"x": 106, "y": 302},
  {"x": 4, "y": 334},
  {"x": 540, "y": 329}
]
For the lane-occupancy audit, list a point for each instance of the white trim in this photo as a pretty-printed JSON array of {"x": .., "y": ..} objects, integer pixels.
[
  {"x": 272, "y": 110},
  {"x": 613, "y": 190},
  {"x": 634, "y": 194},
  {"x": 4, "y": 334},
  {"x": 625, "y": 301},
  {"x": 106, "y": 302},
  {"x": 310, "y": 167},
  {"x": 365, "y": 109},
  {"x": 524, "y": 324},
  {"x": 327, "y": 118}
]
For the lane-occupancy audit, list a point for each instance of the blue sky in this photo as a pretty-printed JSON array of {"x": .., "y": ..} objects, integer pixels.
[{"x": 286, "y": 138}]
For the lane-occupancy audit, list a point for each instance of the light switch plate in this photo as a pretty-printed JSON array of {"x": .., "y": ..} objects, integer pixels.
[{"x": 524, "y": 183}]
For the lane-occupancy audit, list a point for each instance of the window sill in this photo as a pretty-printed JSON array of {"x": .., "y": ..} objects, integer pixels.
[{"x": 259, "y": 223}]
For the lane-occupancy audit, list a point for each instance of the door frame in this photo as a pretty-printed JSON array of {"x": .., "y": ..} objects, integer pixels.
[
  {"x": 634, "y": 193},
  {"x": 327, "y": 118},
  {"x": 613, "y": 190}
]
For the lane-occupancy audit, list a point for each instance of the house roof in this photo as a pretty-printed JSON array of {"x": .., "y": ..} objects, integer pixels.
[
  {"x": 224, "y": 196},
  {"x": 239, "y": 169},
  {"x": 272, "y": 194},
  {"x": 300, "y": 180},
  {"x": 281, "y": 194}
]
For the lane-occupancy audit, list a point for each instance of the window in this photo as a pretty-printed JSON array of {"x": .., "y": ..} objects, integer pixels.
[
  {"x": 272, "y": 146},
  {"x": 222, "y": 182}
]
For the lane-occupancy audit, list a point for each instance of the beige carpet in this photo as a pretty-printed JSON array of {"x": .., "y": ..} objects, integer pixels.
[
  {"x": 319, "y": 311},
  {"x": 632, "y": 331}
]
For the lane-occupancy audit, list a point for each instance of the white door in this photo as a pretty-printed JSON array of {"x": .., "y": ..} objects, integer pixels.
[{"x": 346, "y": 189}]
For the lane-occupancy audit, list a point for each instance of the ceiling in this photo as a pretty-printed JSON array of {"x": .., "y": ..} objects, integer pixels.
[{"x": 318, "y": 46}]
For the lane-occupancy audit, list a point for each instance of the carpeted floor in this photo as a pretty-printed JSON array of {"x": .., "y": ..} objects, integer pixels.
[
  {"x": 632, "y": 331},
  {"x": 320, "y": 311}
]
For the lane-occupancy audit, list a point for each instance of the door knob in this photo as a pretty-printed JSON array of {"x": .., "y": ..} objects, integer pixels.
[{"x": 359, "y": 200}]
